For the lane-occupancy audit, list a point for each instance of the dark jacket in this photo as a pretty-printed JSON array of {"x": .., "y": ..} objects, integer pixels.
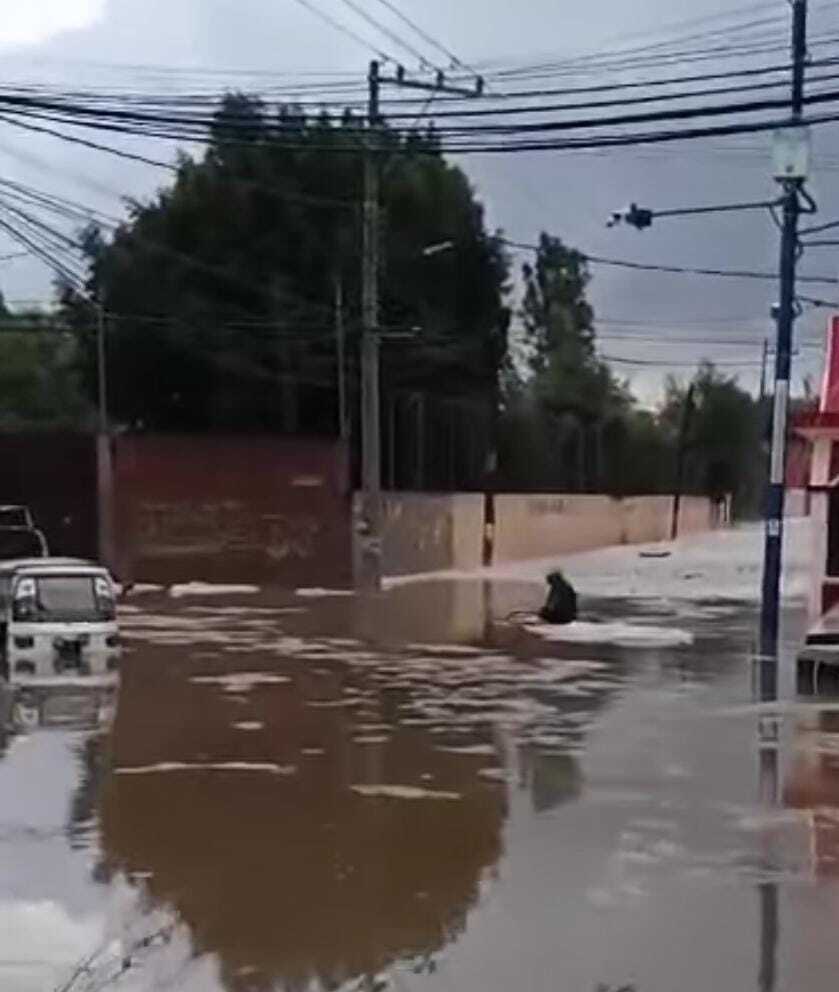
[{"x": 561, "y": 605}]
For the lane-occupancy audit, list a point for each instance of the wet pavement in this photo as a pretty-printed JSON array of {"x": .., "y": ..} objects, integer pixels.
[{"x": 409, "y": 793}]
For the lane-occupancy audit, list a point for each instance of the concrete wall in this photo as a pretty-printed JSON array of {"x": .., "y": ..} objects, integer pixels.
[
  {"x": 528, "y": 526},
  {"x": 796, "y": 502},
  {"x": 427, "y": 533}
]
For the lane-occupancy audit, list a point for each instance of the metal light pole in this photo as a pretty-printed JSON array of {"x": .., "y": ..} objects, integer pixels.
[
  {"x": 771, "y": 586},
  {"x": 791, "y": 170}
]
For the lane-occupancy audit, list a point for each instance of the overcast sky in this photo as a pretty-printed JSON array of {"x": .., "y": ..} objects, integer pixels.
[{"x": 569, "y": 194}]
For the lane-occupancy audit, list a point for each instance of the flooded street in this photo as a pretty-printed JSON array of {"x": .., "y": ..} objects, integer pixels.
[{"x": 312, "y": 792}]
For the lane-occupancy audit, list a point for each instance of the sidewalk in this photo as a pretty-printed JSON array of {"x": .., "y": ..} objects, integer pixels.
[{"x": 724, "y": 564}]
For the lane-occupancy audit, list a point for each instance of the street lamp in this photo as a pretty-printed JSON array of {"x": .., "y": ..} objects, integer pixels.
[
  {"x": 642, "y": 217},
  {"x": 784, "y": 313},
  {"x": 437, "y": 249}
]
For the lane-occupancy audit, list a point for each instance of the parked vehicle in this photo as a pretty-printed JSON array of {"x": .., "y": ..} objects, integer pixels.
[
  {"x": 22, "y": 542},
  {"x": 13, "y": 515},
  {"x": 57, "y": 620}
]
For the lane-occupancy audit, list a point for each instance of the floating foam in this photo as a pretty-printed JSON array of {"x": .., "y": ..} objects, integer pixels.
[
  {"x": 620, "y": 634},
  {"x": 494, "y": 774},
  {"x": 317, "y": 593},
  {"x": 207, "y": 766},
  {"x": 485, "y": 749},
  {"x": 240, "y": 681},
  {"x": 401, "y": 792},
  {"x": 210, "y": 589}
]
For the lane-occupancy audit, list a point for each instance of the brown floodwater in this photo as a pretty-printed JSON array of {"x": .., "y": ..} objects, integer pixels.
[{"x": 409, "y": 793}]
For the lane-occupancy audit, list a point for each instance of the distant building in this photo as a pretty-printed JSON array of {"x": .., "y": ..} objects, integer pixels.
[{"x": 819, "y": 427}]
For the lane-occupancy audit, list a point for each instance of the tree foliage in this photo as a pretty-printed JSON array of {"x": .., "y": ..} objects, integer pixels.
[
  {"x": 225, "y": 283},
  {"x": 570, "y": 402},
  {"x": 39, "y": 384},
  {"x": 570, "y": 425},
  {"x": 723, "y": 447}
]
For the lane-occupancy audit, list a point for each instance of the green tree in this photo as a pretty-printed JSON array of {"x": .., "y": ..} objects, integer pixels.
[
  {"x": 223, "y": 285},
  {"x": 39, "y": 382},
  {"x": 568, "y": 406},
  {"x": 724, "y": 452}
]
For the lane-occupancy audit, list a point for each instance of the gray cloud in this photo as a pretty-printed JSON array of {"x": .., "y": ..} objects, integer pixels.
[{"x": 566, "y": 194}]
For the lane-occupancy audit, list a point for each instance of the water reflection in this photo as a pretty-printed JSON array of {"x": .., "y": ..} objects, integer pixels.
[
  {"x": 52, "y": 766},
  {"x": 813, "y": 785},
  {"x": 293, "y": 876},
  {"x": 309, "y": 807},
  {"x": 316, "y": 808},
  {"x": 553, "y": 778},
  {"x": 766, "y": 691}
]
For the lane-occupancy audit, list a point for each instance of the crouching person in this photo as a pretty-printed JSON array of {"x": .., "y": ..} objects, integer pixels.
[{"x": 561, "y": 604}]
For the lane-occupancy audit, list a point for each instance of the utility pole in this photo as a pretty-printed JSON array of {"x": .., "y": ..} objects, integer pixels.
[
  {"x": 370, "y": 525},
  {"x": 101, "y": 369},
  {"x": 764, "y": 357},
  {"x": 340, "y": 360},
  {"x": 684, "y": 427},
  {"x": 785, "y": 317},
  {"x": 104, "y": 461},
  {"x": 369, "y": 575}
]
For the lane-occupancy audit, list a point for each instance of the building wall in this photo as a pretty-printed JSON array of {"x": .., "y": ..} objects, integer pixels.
[
  {"x": 796, "y": 502},
  {"x": 233, "y": 509},
  {"x": 426, "y": 533},
  {"x": 537, "y": 526}
]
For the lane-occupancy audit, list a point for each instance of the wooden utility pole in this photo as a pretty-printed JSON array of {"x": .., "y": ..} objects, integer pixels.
[
  {"x": 369, "y": 575},
  {"x": 101, "y": 369},
  {"x": 764, "y": 357},
  {"x": 684, "y": 428},
  {"x": 340, "y": 359},
  {"x": 370, "y": 524}
]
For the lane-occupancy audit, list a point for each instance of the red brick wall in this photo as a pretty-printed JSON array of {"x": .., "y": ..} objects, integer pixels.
[{"x": 261, "y": 510}]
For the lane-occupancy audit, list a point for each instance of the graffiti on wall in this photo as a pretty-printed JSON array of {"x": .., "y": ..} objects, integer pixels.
[
  {"x": 232, "y": 509},
  {"x": 224, "y": 527}
]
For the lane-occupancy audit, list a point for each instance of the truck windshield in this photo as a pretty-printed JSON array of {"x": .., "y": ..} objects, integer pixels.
[
  {"x": 61, "y": 597},
  {"x": 14, "y": 516}
]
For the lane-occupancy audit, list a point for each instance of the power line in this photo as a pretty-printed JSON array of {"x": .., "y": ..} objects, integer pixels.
[
  {"x": 692, "y": 37},
  {"x": 87, "y": 115},
  {"x": 304, "y": 198},
  {"x": 653, "y": 363},
  {"x": 342, "y": 28},
  {"x": 615, "y": 102},
  {"x": 676, "y": 269},
  {"x": 392, "y": 35},
  {"x": 678, "y": 342},
  {"x": 58, "y": 267},
  {"x": 426, "y": 37},
  {"x": 188, "y": 259},
  {"x": 705, "y": 322},
  {"x": 440, "y": 145},
  {"x": 203, "y": 100}
]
